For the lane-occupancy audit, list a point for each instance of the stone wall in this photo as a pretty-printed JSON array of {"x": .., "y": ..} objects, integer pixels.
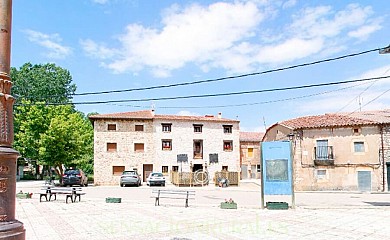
[
  {"x": 125, "y": 136},
  {"x": 182, "y": 135}
]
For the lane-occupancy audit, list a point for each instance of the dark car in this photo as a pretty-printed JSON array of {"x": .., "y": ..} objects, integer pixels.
[
  {"x": 130, "y": 178},
  {"x": 74, "y": 177}
]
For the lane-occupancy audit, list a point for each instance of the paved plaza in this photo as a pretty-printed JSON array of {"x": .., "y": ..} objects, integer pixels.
[{"x": 317, "y": 215}]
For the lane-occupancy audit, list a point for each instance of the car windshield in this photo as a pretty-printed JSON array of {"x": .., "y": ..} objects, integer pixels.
[
  {"x": 72, "y": 172},
  {"x": 157, "y": 175},
  {"x": 129, "y": 173}
]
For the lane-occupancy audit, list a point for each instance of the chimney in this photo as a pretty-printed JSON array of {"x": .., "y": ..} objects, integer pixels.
[
  {"x": 219, "y": 115},
  {"x": 152, "y": 112}
]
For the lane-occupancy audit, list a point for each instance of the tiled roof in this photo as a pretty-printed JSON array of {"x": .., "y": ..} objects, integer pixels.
[
  {"x": 149, "y": 114},
  {"x": 146, "y": 114},
  {"x": 327, "y": 120},
  {"x": 382, "y": 116},
  {"x": 251, "y": 136}
]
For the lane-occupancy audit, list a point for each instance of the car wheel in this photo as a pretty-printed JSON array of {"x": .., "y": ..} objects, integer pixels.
[
  {"x": 121, "y": 185},
  {"x": 163, "y": 184}
]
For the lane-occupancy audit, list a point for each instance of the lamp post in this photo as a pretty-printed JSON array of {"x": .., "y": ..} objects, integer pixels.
[
  {"x": 10, "y": 228},
  {"x": 385, "y": 50}
]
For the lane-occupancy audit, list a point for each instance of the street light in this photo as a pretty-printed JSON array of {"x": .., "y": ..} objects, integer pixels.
[{"x": 384, "y": 50}]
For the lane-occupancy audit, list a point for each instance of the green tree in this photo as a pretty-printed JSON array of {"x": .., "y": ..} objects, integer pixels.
[
  {"x": 56, "y": 136},
  {"x": 46, "y": 83}
]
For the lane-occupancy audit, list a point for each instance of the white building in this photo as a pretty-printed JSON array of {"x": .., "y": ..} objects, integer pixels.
[{"x": 162, "y": 143}]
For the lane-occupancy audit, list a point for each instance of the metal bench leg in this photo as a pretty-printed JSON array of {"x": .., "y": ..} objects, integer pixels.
[
  {"x": 69, "y": 196},
  {"x": 42, "y": 195}
]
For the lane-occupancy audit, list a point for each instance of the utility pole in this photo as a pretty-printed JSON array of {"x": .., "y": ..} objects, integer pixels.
[{"x": 10, "y": 228}]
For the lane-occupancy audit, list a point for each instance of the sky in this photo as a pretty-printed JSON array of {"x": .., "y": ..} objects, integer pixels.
[{"x": 117, "y": 45}]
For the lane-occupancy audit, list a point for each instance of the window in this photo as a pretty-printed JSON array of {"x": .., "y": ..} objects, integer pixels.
[
  {"x": 357, "y": 131},
  {"x": 139, "y": 128},
  {"x": 167, "y": 144},
  {"x": 228, "y": 145},
  {"x": 321, "y": 173},
  {"x": 224, "y": 168},
  {"x": 227, "y": 128},
  {"x": 198, "y": 128},
  {"x": 258, "y": 168},
  {"x": 111, "y": 147},
  {"x": 358, "y": 146},
  {"x": 175, "y": 168},
  {"x": 250, "y": 152},
  {"x": 323, "y": 151},
  {"x": 166, "y": 127},
  {"x": 198, "y": 149},
  {"x": 111, "y": 127},
  {"x": 164, "y": 169},
  {"x": 117, "y": 170},
  {"x": 138, "y": 147}
]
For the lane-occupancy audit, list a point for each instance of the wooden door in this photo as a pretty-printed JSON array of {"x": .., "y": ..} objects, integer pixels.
[{"x": 147, "y": 169}]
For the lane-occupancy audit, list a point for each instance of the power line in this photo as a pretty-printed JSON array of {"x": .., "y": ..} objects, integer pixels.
[
  {"x": 244, "y": 104},
  {"x": 218, "y": 94},
  {"x": 230, "y": 77},
  {"x": 271, "y": 101}
]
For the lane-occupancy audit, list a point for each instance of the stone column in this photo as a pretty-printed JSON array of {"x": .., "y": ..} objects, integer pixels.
[{"x": 10, "y": 228}]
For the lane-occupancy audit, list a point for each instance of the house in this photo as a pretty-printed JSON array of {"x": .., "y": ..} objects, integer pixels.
[
  {"x": 250, "y": 154},
  {"x": 162, "y": 143},
  {"x": 340, "y": 151}
]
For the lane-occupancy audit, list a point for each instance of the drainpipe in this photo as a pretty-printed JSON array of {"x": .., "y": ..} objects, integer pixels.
[{"x": 383, "y": 159}]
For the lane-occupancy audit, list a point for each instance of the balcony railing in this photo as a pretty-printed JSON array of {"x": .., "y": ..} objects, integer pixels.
[{"x": 323, "y": 155}]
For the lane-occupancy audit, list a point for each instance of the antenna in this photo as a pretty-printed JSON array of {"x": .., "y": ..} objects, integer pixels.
[{"x": 265, "y": 126}]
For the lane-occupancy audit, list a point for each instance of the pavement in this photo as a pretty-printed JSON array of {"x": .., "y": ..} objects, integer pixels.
[{"x": 317, "y": 215}]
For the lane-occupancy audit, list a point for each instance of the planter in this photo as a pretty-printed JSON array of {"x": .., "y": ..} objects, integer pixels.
[
  {"x": 23, "y": 195},
  {"x": 113, "y": 200},
  {"x": 228, "y": 205},
  {"x": 277, "y": 205}
]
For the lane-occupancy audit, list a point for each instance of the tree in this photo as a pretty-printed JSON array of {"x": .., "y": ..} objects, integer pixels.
[
  {"x": 56, "y": 136},
  {"x": 46, "y": 83}
]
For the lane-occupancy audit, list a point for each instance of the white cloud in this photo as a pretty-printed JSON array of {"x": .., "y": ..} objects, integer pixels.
[
  {"x": 365, "y": 31},
  {"x": 234, "y": 37},
  {"x": 289, "y": 3},
  {"x": 368, "y": 96},
  {"x": 52, "y": 43},
  {"x": 289, "y": 50},
  {"x": 100, "y": 1},
  {"x": 97, "y": 50},
  {"x": 187, "y": 113},
  {"x": 193, "y": 34}
]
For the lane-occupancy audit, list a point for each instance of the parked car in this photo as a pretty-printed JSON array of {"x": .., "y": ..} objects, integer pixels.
[
  {"x": 130, "y": 178},
  {"x": 155, "y": 178},
  {"x": 74, "y": 177}
]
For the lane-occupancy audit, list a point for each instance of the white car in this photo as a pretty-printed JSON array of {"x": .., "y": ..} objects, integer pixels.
[{"x": 155, "y": 178}]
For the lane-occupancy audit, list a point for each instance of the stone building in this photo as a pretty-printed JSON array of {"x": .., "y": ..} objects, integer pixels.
[
  {"x": 162, "y": 143},
  {"x": 338, "y": 151},
  {"x": 250, "y": 154}
]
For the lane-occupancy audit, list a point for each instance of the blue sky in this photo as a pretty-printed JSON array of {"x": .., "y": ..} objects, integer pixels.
[{"x": 126, "y": 44}]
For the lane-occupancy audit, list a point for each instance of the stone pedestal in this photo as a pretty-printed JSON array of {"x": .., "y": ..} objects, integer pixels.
[{"x": 10, "y": 228}]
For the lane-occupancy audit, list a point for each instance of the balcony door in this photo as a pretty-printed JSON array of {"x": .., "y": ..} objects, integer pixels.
[{"x": 322, "y": 150}]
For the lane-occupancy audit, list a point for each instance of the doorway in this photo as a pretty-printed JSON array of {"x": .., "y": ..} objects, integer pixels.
[
  {"x": 388, "y": 176},
  {"x": 197, "y": 167},
  {"x": 147, "y": 169},
  {"x": 364, "y": 181}
]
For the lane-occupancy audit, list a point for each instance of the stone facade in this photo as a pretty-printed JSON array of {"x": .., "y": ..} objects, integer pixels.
[
  {"x": 125, "y": 156},
  {"x": 162, "y": 147},
  {"x": 250, "y": 154},
  {"x": 352, "y": 159}
]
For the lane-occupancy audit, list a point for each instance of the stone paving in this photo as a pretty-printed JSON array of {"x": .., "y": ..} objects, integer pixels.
[{"x": 346, "y": 216}]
